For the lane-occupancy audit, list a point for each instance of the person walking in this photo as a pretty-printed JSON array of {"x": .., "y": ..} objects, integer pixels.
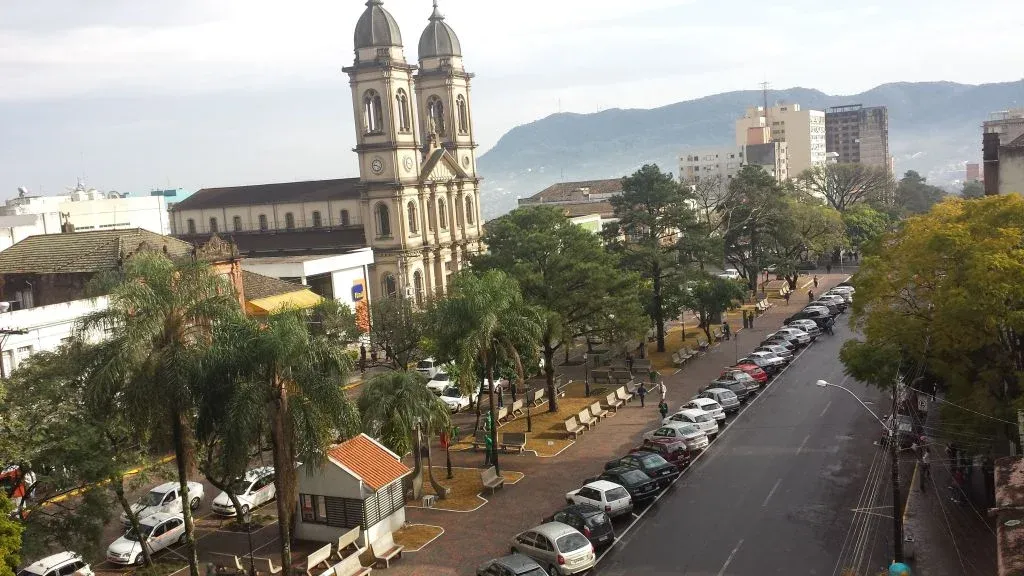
[
  {"x": 815, "y": 280},
  {"x": 926, "y": 467},
  {"x": 725, "y": 330},
  {"x": 662, "y": 390},
  {"x": 810, "y": 295},
  {"x": 663, "y": 409},
  {"x": 629, "y": 362},
  {"x": 641, "y": 392},
  {"x": 362, "y": 358},
  {"x": 373, "y": 356},
  {"x": 828, "y": 268},
  {"x": 786, "y": 296}
]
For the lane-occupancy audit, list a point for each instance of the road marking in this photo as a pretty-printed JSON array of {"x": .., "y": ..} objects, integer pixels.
[
  {"x": 729, "y": 559},
  {"x": 825, "y": 409},
  {"x": 802, "y": 444},
  {"x": 769, "y": 496}
]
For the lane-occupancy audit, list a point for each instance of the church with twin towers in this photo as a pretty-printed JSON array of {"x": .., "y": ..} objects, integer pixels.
[{"x": 416, "y": 202}]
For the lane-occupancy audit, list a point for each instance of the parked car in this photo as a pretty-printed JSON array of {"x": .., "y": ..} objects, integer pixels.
[
  {"x": 843, "y": 293},
  {"x": 590, "y": 520},
  {"x": 835, "y": 299},
  {"x": 673, "y": 450},
  {"x": 164, "y": 498},
  {"x": 730, "y": 274},
  {"x": 658, "y": 468},
  {"x": 511, "y": 565},
  {"x": 750, "y": 369},
  {"x": 826, "y": 305},
  {"x": 428, "y": 367},
  {"x": 844, "y": 288},
  {"x": 777, "y": 349},
  {"x": 808, "y": 326},
  {"x": 59, "y": 564},
  {"x": 820, "y": 316},
  {"x": 797, "y": 335},
  {"x": 725, "y": 398},
  {"x": 455, "y": 399},
  {"x": 784, "y": 340},
  {"x": 253, "y": 490},
  {"x": 161, "y": 530},
  {"x": 559, "y": 547},
  {"x": 768, "y": 362},
  {"x": 500, "y": 384},
  {"x": 608, "y": 496},
  {"x": 706, "y": 422},
  {"x": 739, "y": 389},
  {"x": 640, "y": 486},
  {"x": 439, "y": 383},
  {"x": 692, "y": 434},
  {"x": 707, "y": 405}
]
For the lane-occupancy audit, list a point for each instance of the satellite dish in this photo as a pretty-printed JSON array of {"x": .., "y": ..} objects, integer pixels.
[{"x": 22, "y": 191}]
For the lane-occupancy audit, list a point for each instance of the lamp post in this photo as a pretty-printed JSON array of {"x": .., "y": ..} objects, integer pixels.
[
  {"x": 247, "y": 518},
  {"x": 586, "y": 375},
  {"x": 897, "y": 520}
]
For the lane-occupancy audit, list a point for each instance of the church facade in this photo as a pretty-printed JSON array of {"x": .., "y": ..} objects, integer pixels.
[{"x": 416, "y": 203}]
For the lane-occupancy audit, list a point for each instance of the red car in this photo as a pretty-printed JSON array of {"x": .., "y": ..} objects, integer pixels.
[
  {"x": 671, "y": 449},
  {"x": 754, "y": 370}
]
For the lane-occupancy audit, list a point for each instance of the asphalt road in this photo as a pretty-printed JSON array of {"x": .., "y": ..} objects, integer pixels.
[{"x": 776, "y": 493}]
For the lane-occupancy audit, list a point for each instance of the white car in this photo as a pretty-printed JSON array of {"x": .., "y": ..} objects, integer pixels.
[
  {"x": 707, "y": 405},
  {"x": 439, "y": 383},
  {"x": 730, "y": 274},
  {"x": 706, "y": 422},
  {"x": 768, "y": 358},
  {"x": 161, "y": 530},
  {"x": 455, "y": 399},
  {"x": 777, "y": 349},
  {"x": 808, "y": 326},
  {"x": 253, "y": 490},
  {"x": 164, "y": 498},
  {"x": 60, "y": 564},
  {"x": 604, "y": 495},
  {"x": 801, "y": 336},
  {"x": 428, "y": 367},
  {"x": 691, "y": 434}
]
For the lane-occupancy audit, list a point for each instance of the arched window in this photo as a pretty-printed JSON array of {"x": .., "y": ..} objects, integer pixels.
[
  {"x": 191, "y": 226},
  {"x": 469, "y": 210},
  {"x": 411, "y": 210},
  {"x": 373, "y": 112},
  {"x": 317, "y": 220},
  {"x": 389, "y": 285},
  {"x": 213, "y": 225},
  {"x": 344, "y": 218},
  {"x": 435, "y": 112},
  {"x": 417, "y": 284},
  {"x": 463, "y": 115},
  {"x": 403, "y": 110},
  {"x": 383, "y": 221},
  {"x": 442, "y": 215},
  {"x": 289, "y": 221},
  {"x": 263, "y": 223},
  {"x": 236, "y": 223}
]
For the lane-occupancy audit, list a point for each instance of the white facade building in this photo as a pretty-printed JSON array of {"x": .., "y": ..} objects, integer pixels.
[
  {"x": 703, "y": 164},
  {"x": 343, "y": 277},
  {"x": 802, "y": 130},
  {"x": 45, "y": 328}
]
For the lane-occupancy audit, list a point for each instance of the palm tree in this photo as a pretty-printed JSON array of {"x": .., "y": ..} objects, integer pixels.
[
  {"x": 483, "y": 320},
  {"x": 398, "y": 409},
  {"x": 158, "y": 322},
  {"x": 289, "y": 374}
]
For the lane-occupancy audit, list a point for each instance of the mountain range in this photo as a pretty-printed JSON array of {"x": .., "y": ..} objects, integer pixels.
[{"x": 934, "y": 128}]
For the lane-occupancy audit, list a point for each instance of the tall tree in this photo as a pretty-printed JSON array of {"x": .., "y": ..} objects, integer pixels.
[
  {"x": 397, "y": 330},
  {"x": 806, "y": 229},
  {"x": 158, "y": 322},
  {"x": 845, "y": 185},
  {"x": 566, "y": 273},
  {"x": 864, "y": 224},
  {"x": 397, "y": 408},
  {"x": 755, "y": 207},
  {"x": 653, "y": 214},
  {"x": 915, "y": 195},
  {"x": 709, "y": 296}
]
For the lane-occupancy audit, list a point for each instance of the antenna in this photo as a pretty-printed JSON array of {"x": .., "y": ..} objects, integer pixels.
[{"x": 764, "y": 93}]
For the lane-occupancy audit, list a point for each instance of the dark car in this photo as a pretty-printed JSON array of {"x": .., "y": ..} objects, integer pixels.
[
  {"x": 511, "y": 565},
  {"x": 740, "y": 389},
  {"x": 590, "y": 520},
  {"x": 652, "y": 464},
  {"x": 780, "y": 340},
  {"x": 833, "y": 308},
  {"x": 672, "y": 450},
  {"x": 822, "y": 318},
  {"x": 640, "y": 486}
]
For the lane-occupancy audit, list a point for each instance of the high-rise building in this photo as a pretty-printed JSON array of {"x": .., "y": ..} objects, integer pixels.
[
  {"x": 973, "y": 172},
  {"x": 711, "y": 164},
  {"x": 772, "y": 157},
  {"x": 803, "y": 131},
  {"x": 858, "y": 135}
]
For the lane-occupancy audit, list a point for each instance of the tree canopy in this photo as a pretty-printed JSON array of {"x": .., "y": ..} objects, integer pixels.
[
  {"x": 972, "y": 190},
  {"x": 708, "y": 296},
  {"x": 915, "y": 195},
  {"x": 755, "y": 207},
  {"x": 806, "y": 229},
  {"x": 845, "y": 185},
  {"x": 398, "y": 330},
  {"x": 864, "y": 224}
]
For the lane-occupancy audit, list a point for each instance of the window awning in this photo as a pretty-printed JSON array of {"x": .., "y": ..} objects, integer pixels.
[{"x": 298, "y": 299}]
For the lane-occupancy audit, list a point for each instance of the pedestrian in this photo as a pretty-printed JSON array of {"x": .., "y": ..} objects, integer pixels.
[
  {"x": 751, "y": 319},
  {"x": 362, "y": 358},
  {"x": 926, "y": 468},
  {"x": 663, "y": 409},
  {"x": 641, "y": 392},
  {"x": 725, "y": 330},
  {"x": 815, "y": 280},
  {"x": 512, "y": 387},
  {"x": 662, "y": 390},
  {"x": 787, "y": 295},
  {"x": 828, "y": 326},
  {"x": 828, "y": 268},
  {"x": 810, "y": 295},
  {"x": 958, "y": 487},
  {"x": 373, "y": 356},
  {"x": 629, "y": 362}
]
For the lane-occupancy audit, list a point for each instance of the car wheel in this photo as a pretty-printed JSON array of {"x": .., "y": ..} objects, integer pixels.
[
  {"x": 513, "y": 550},
  {"x": 194, "y": 504},
  {"x": 181, "y": 539},
  {"x": 554, "y": 571}
]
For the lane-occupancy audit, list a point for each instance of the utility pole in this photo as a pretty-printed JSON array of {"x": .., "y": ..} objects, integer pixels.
[{"x": 894, "y": 451}]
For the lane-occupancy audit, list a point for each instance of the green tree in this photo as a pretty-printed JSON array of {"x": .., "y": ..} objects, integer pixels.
[
  {"x": 484, "y": 319},
  {"x": 398, "y": 329},
  {"x": 864, "y": 224},
  {"x": 806, "y": 229},
  {"x": 653, "y": 214},
  {"x": 915, "y": 195},
  {"x": 709, "y": 296},
  {"x": 159, "y": 319},
  {"x": 566, "y": 273},
  {"x": 10, "y": 538},
  {"x": 397, "y": 408},
  {"x": 972, "y": 190},
  {"x": 846, "y": 185},
  {"x": 755, "y": 207}
]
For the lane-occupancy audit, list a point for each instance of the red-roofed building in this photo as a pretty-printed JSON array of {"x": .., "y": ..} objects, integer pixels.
[{"x": 359, "y": 485}]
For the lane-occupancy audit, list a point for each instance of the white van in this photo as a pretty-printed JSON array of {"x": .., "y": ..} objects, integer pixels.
[{"x": 428, "y": 367}]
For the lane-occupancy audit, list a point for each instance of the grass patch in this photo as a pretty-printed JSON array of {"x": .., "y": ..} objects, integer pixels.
[
  {"x": 548, "y": 436},
  {"x": 415, "y": 536},
  {"x": 465, "y": 488}
]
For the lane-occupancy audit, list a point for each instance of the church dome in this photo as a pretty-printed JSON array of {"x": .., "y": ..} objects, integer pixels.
[
  {"x": 377, "y": 27},
  {"x": 438, "y": 38}
]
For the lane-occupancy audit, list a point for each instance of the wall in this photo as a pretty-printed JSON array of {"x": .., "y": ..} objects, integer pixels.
[
  {"x": 47, "y": 326},
  {"x": 15, "y": 228},
  {"x": 1011, "y": 170},
  {"x": 146, "y": 212}
]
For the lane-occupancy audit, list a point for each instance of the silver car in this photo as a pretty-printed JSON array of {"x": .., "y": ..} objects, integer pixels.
[{"x": 557, "y": 547}]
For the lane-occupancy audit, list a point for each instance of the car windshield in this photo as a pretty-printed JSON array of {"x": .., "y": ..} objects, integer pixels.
[
  {"x": 728, "y": 395},
  {"x": 132, "y": 535},
  {"x": 452, "y": 392},
  {"x": 687, "y": 430},
  {"x": 616, "y": 494},
  {"x": 153, "y": 498},
  {"x": 570, "y": 542},
  {"x": 425, "y": 364},
  {"x": 634, "y": 477},
  {"x": 535, "y": 571},
  {"x": 652, "y": 460},
  {"x": 704, "y": 418},
  {"x": 441, "y": 376},
  {"x": 712, "y": 406},
  {"x": 239, "y": 487}
]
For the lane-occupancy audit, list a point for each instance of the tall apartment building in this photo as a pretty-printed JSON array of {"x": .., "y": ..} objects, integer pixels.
[
  {"x": 704, "y": 164},
  {"x": 803, "y": 131},
  {"x": 858, "y": 135},
  {"x": 1009, "y": 124}
]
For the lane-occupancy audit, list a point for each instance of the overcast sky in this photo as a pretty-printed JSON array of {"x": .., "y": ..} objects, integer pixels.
[{"x": 135, "y": 95}]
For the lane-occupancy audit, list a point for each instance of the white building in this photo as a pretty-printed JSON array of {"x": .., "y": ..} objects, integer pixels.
[
  {"x": 342, "y": 277},
  {"x": 719, "y": 164},
  {"x": 802, "y": 130},
  {"x": 44, "y": 328}
]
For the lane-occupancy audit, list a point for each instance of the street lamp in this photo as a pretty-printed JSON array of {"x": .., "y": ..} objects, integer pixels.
[
  {"x": 247, "y": 518},
  {"x": 586, "y": 375},
  {"x": 897, "y": 519}
]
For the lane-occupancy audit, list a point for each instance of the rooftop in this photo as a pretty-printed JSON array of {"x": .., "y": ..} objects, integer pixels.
[
  {"x": 258, "y": 286},
  {"x": 84, "y": 252},
  {"x": 293, "y": 242},
  {"x": 369, "y": 461},
  {"x": 575, "y": 191},
  {"x": 307, "y": 191}
]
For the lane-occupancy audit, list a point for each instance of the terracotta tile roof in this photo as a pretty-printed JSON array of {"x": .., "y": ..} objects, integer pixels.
[
  {"x": 258, "y": 286},
  {"x": 309, "y": 191},
  {"x": 283, "y": 243},
  {"x": 82, "y": 252},
  {"x": 586, "y": 208},
  {"x": 371, "y": 462},
  {"x": 575, "y": 191}
]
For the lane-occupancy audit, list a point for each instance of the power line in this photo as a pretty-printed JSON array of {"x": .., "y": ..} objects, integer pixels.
[{"x": 944, "y": 401}]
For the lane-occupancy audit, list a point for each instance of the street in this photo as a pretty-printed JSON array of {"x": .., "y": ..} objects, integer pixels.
[{"x": 776, "y": 493}]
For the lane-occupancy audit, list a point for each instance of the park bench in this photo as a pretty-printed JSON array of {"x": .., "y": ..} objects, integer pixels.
[
  {"x": 265, "y": 566},
  {"x": 351, "y": 566},
  {"x": 316, "y": 558},
  {"x": 538, "y": 396},
  {"x": 517, "y": 408},
  {"x": 717, "y": 334},
  {"x": 642, "y": 365},
  {"x": 502, "y": 415},
  {"x": 702, "y": 344},
  {"x": 572, "y": 427},
  {"x": 621, "y": 376},
  {"x": 490, "y": 479},
  {"x": 513, "y": 441},
  {"x": 603, "y": 376},
  {"x": 586, "y": 419},
  {"x": 384, "y": 549},
  {"x": 560, "y": 388},
  {"x": 612, "y": 402},
  {"x": 631, "y": 388},
  {"x": 597, "y": 412},
  {"x": 623, "y": 395},
  {"x": 345, "y": 540},
  {"x": 226, "y": 563},
  {"x": 479, "y": 439},
  {"x": 682, "y": 356}
]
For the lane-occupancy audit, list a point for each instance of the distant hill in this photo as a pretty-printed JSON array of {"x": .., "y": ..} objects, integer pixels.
[{"x": 934, "y": 127}]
